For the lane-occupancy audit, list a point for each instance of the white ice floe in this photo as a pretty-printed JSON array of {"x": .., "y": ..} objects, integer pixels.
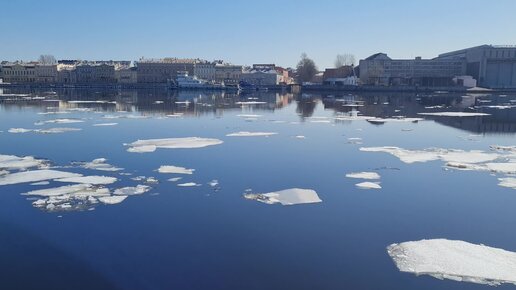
[
  {"x": 454, "y": 114},
  {"x": 455, "y": 260},
  {"x": 19, "y": 163},
  {"x": 448, "y": 155},
  {"x": 40, "y": 183},
  {"x": 61, "y": 121},
  {"x": 67, "y": 198},
  {"x": 91, "y": 102},
  {"x": 174, "y": 179},
  {"x": 132, "y": 190},
  {"x": 507, "y": 182},
  {"x": 368, "y": 185},
  {"x": 99, "y": 164},
  {"x": 104, "y": 124},
  {"x": 286, "y": 197},
  {"x": 498, "y": 167},
  {"x": 213, "y": 183},
  {"x": 504, "y": 148},
  {"x": 363, "y": 175},
  {"x": 57, "y": 130},
  {"x": 59, "y": 190},
  {"x": 112, "y": 199},
  {"x": 19, "y": 130},
  {"x": 150, "y": 145},
  {"x": 175, "y": 169},
  {"x": 188, "y": 184},
  {"x": 94, "y": 179},
  {"x": 35, "y": 176},
  {"x": 250, "y": 134},
  {"x": 300, "y": 137}
]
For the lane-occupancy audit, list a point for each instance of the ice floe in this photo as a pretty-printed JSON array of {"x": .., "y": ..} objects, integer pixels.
[
  {"x": 99, "y": 164},
  {"x": 394, "y": 119},
  {"x": 363, "y": 175},
  {"x": 150, "y": 145},
  {"x": 188, "y": 184},
  {"x": 455, "y": 260},
  {"x": 112, "y": 199},
  {"x": 175, "y": 169},
  {"x": 249, "y": 116},
  {"x": 132, "y": 190},
  {"x": 94, "y": 179},
  {"x": 454, "y": 114},
  {"x": 35, "y": 176},
  {"x": 19, "y": 130},
  {"x": 286, "y": 197},
  {"x": 67, "y": 198},
  {"x": 368, "y": 185},
  {"x": 507, "y": 182},
  {"x": 250, "y": 134},
  {"x": 104, "y": 124},
  {"x": 57, "y": 130},
  {"x": 19, "y": 163},
  {"x": 448, "y": 155},
  {"x": 61, "y": 121}
]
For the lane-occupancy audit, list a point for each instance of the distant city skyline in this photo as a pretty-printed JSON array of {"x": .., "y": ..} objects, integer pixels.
[{"x": 244, "y": 32}]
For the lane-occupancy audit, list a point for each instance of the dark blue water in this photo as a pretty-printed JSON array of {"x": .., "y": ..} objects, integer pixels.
[{"x": 201, "y": 238}]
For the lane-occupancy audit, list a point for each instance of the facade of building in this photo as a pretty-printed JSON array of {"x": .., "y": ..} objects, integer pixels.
[
  {"x": 204, "y": 70},
  {"x": 338, "y": 73},
  {"x": 66, "y": 73},
  {"x": 228, "y": 74},
  {"x": 163, "y": 70},
  {"x": 46, "y": 74},
  {"x": 126, "y": 75},
  {"x": 261, "y": 78},
  {"x": 493, "y": 66},
  {"x": 95, "y": 74},
  {"x": 379, "y": 69},
  {"x": 19, "y": 73}
]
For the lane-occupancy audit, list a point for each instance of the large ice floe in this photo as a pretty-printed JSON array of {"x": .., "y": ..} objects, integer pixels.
[
  {"x": 502, "y": 162},
  {"x": 21, "y": 163},
  {"x": 35, "y": 176},
  {"x": 250, "y": 134},
  {"x": 455, "y": 260},
  {"x": 286, "y": 197},
  {"x": 94, "y": 179},
  {"x": 150, "y": 145},
  {"x": 60, "y": 121},
  {"x": 175, "y": 169},
  {"x": 454, "y": 114}
]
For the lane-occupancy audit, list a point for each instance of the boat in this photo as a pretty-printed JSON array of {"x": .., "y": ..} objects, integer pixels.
[{"x": 185, "y": 81}]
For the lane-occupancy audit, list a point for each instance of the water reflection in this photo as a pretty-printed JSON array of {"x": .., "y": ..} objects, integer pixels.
[{"x": 501, "y": 108}]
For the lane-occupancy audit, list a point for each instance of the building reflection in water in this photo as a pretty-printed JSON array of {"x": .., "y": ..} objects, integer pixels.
[{"x": 159, "y": 102}]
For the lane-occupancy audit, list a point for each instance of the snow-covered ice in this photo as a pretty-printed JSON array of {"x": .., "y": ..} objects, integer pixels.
[
  {"x": 35, "y": 176},
  {"x": 94, "y": 179},
  {"x": 112, "y": 199},
  {"x": 363, "y": 175},
  {"x": 132, "y": 190},
  {"x": 188, "y": 184},
  {"x": 175, "y": 169},
  {"x": 150, "y": 145},
  {"x": 368, "y": 185},
  {"x": 286, "y": 197},
  {"x": 455, "y": 260}
]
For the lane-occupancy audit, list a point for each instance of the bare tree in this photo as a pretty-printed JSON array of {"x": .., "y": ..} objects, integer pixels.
[
  {"x": 47, "y": 59},
  {"x": 306, "y": 69},
  {"x": 344, "y": 59}
]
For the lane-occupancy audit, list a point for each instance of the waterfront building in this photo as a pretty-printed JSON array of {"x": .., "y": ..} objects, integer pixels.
[
  {"x": 125, "y": 74},
  {"x": 95, "y": 73},
  {"x": 46, "y": 73},
  {"x": 163, "y": 70},
  {"x": 379, "y": 69},
  {"x": 204, "y": 70},
  {"x": 19, "y": 73},
  {"x": 66, "y": 73},
  {"x": 227, "y": 73},
  {"x": 493, "y": 66}
]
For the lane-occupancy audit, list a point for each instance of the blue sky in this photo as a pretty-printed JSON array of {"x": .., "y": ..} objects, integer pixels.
[{"x": 247, "y": 32}]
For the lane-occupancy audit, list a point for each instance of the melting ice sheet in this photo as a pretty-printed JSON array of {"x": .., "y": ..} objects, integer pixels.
[
  {"x": 150, "y": 145},
  {"x": 455, "y": 260},
  {"x": 286, "y": 197}
]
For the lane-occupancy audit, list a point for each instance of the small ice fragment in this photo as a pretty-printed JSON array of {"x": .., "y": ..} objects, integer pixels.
[
  {"x": 139, "y": 189},
  {"x": 19, "y": 130},
  {"x": 89, "y": 179},
  {"x": 454, "y": 114},
  {"x": 174, "y": 179},
  {"x": 368, "y": 185},
  {"x": 250, "y": 134},
  {"x": 112, "y": 199},
  {"x": 104, "y": 124},
  {"x": 175, "y": 169},
  {"x": 188, "y": 184},
  {"x": 286, "y": 197},
  {"x": 213, "y": 183},
  {"x": 363, "y": 175},
  {"x": 150, "y": 145}
]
